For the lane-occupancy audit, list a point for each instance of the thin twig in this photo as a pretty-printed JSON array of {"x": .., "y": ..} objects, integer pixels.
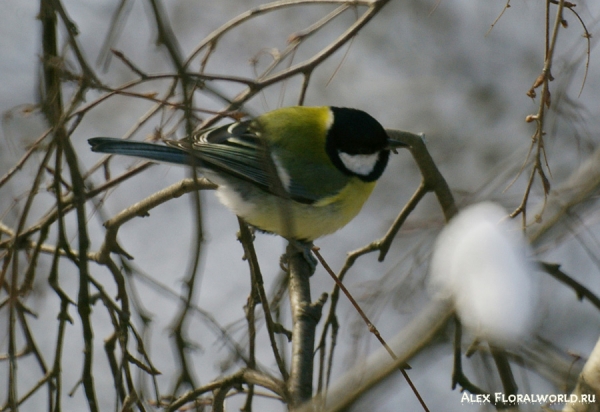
[
  {"x": 257, "y": 279},
  {"x": 240, "y": 377},
  {"x": 372, "y": 328}
]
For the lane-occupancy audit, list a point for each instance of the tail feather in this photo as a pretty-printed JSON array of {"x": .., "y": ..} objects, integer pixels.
[{"x": 144, "y": 150}]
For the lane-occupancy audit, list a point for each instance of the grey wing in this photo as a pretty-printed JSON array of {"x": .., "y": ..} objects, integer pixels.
[{"x": 238, "y": 150}]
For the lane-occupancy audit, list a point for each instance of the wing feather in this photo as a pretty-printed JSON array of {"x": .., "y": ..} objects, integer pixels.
[{"x": 239, "y": 150}]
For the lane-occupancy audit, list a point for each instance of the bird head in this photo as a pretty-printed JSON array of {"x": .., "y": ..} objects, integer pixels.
[{"x": 358, "y": 144}]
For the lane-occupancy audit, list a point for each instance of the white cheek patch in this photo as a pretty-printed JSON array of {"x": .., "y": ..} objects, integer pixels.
[{"x": 361, "y": 164}]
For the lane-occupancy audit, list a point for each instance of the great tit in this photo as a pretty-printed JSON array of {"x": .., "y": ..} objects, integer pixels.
[{"x": 326, "y": 161}]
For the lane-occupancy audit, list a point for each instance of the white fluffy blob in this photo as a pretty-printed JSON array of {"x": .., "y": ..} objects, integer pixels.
[{"x": 480, "y": 262}]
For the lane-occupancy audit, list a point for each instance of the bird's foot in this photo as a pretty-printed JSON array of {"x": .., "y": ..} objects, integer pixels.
[{"x": 305, "y": 249}]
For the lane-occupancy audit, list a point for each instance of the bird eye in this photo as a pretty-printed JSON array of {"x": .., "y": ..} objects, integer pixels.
[{"x": 366, "y": 151}]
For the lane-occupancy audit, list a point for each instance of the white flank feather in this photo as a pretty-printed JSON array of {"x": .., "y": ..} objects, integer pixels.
[{"x": 283, "y": 174}]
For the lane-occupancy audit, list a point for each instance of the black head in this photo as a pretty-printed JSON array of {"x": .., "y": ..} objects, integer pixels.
[{"x": 357, "y": 144}]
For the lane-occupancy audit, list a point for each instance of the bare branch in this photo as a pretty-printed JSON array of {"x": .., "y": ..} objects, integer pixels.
[{"x": 141, "y": 209}]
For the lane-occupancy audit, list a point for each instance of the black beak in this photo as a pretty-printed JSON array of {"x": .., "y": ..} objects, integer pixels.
[{"x": 393, "y": 144}]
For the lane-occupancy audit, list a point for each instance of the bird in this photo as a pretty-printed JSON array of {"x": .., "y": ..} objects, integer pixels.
[{"x": 299, "y": 172}]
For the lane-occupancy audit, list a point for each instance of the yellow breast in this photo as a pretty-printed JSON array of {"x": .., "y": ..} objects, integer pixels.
[{"x": 300, "y": 221}]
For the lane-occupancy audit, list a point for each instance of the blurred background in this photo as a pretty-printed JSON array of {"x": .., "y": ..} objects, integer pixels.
[{"x": 423, "y": 66}]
